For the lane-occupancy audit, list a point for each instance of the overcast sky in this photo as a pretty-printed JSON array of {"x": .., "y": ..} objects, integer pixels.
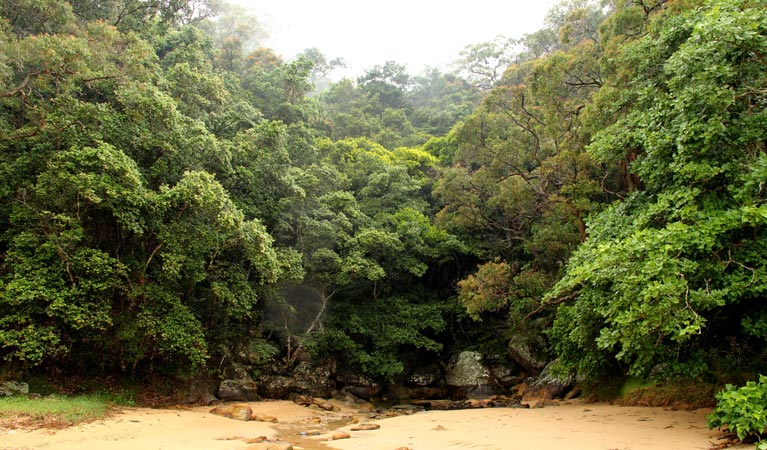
[{"x": 417, "y": 33}]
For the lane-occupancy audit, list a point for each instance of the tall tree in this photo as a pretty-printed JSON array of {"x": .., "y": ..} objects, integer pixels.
[{"x": 676, "y": 269}]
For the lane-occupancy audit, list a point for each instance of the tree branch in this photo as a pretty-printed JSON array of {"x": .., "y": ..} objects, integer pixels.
[{"x": 556, "y": 302}]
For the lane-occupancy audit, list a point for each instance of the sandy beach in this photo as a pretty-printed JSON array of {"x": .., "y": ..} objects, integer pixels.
[{"x": 573, "y": 426}]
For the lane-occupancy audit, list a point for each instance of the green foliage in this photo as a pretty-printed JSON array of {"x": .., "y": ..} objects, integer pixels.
[
  {"x": 55, "y": 410},
  {"x": 374, "y": 337},
  {"x": 521, "y": 183},
  {"x": 487, "y": 290},
  {"x": 685, "y": 254},
  {"x": 168, "y": 196},
  {"x": 742, "y": 410}
]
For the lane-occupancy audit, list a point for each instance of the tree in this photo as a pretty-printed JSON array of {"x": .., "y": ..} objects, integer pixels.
[
  {"x": 120, "y": 246},
  {"x": 484, "y": 63},
  {"x": 668, "y": 271},
  {"x": 521, "y": 185}
]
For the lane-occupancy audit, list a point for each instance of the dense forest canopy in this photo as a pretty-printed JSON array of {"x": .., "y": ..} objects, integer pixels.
[{"x": 174, "y": 196}]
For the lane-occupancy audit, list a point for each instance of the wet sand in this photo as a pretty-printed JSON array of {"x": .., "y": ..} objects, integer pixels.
[{"x": 572, "y": 426}]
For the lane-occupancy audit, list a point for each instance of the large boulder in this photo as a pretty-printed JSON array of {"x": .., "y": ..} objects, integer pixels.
[
  {"x": 359, "y": 386},
  {"x": 467, "y": 377},
  {"x": 277, "y": 386},
  {"x": 546, "y": 387},
  {"x": 425, "y": 382},
  {"x": 199, "y": 392},
  {"x": 240, "y": 390},
  {"x": 313, "y": 379},
  {"x": 13, "y": 388},
  {"x": 349, "y": 400},
  {"x": 528, "y": 352}
]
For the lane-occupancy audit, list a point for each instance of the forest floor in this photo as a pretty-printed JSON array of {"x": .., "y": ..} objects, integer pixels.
[{"x": 574, "y": 425}]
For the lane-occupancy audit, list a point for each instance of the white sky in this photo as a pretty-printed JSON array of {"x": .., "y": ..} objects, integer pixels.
[{"x": 417, "y": 33}]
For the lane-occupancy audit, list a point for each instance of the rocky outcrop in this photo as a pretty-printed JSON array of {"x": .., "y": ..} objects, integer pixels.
[
  {"x": 468, "y": 377},
  {"x": 546, "y": 387},
  {"x": 277, "y": 386},
  {"x": 503, "y": 376},
  {"x": 426, "y": 383},
  {"x": 401, "y": 393},
  {"x": 467, "y": 369},
  {"x": 359, "y": 386},
  {"x": 199, "y": 392},
  {"x": 240, "y": 390},
  {"x": 422, "y": 379},
  {"x": 13, "y": 388},
  {"x": 351, "y": 401},
  {"x": 528, "y": 352},
  {"x": 313, "y": 379}
]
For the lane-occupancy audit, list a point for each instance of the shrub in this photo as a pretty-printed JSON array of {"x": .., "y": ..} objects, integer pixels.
[{"x": 742, "y": 410}]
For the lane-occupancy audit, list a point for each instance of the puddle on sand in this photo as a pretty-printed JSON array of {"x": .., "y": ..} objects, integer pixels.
[{"x": 301, "y": 435}]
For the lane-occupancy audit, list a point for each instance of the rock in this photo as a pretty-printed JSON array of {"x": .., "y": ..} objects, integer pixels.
[
  {"x": 468, "y": 377},
  {"x": 574, "y": 392},
  {"x": 467, "y": 369},
  {"x": 407, "y": 407},
  {"x": 439, "y": 405},
  {"x": 199, "y": 393},
  {"x": 277, "y": 445},
  {"x": 260, "y": 418},
  {"x": 422, "y": 379},
  {"x": 502, "y": 375},
  {"x": 403, "y": 393},
  {"x": 478, "y": 392},
  {"x": 303, "y": 400},
  {"x": 313, "y": 379},
  {"x": 546, "y": 387},
  {"x": 327, "y": 406},
  {"x": 359, "y": 386},
  {"x": 528, "y": 353},
  {"x": 256, "y": 440},
  {"x": 366, "y": 427},
  {"x": 476, "y": 404},
  {"x": 237, "y": 411},
  {"x": 238, "y": 390},
  {"x": 340, "y": 435},
  {"x": 13, "y": 388},
  {"x": 238, "y": 371},
  {"x": 351, "y": 401},
  {"x": 277, "y": 386}
]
